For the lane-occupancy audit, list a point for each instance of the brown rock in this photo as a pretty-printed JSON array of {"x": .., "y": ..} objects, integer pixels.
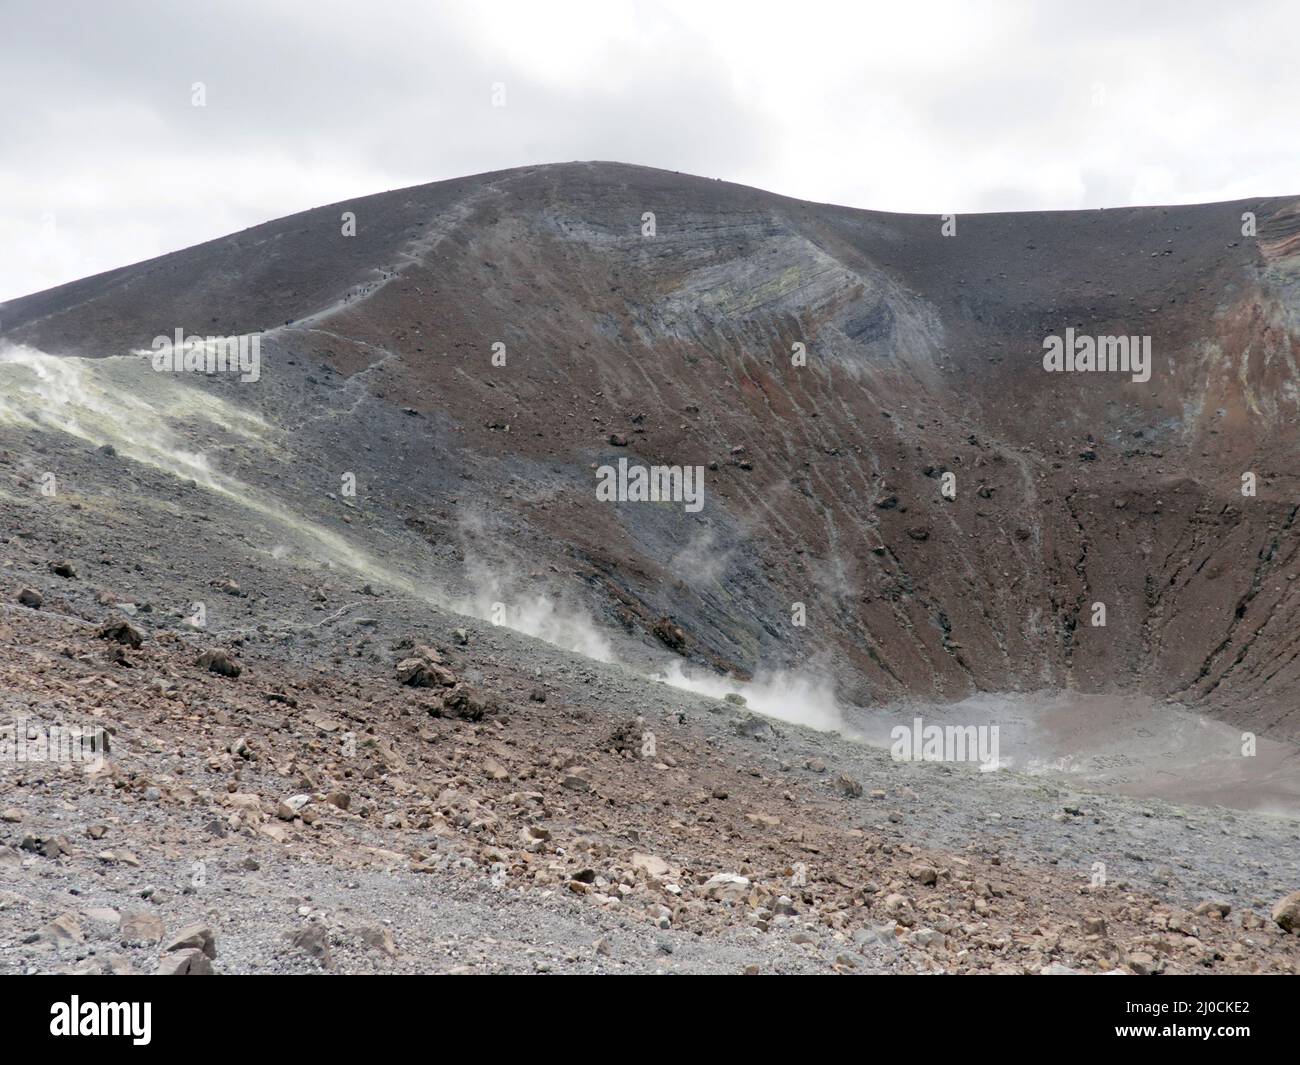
[
  {"x": 669, "y": 634},
  {"x": 215, "y": 660},
  {"x": 650, "y": 864},
  {"x": 140, "y": 929},
  {"x": 193, "y": 937},
  {"x": 1286, "y": 912},
  {"x": 185, "y": 963},
  {"x": 64, "y": 930},
  {"x": 465, "y": 703},
  {"x": 121, "y": 631},
  {"x": 849, "y": 787},
  {"x": 1142, "y": 964},
  {"x": 422, "y": 672},
  {"x": 925, "y": 874}
]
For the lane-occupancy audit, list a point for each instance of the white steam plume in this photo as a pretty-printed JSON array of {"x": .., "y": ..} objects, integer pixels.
[{"x": 787, "y": 696}]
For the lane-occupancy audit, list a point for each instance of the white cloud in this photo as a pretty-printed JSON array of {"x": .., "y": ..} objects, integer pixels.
[{"x": 917, "y": 106}]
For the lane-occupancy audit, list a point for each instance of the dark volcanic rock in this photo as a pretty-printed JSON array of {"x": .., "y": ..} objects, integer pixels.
[
  {"x": 465, "y": 703},
  {"x": 121, "y": 632},
  {"x": 670, "y": 634}
]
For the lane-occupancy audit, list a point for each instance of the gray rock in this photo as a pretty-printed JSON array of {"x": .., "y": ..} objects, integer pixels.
[
  {"x": 63, "y": 931},
  {"x": 312, "y": 941},
  {"x": 185, "y": 963},
  {"x": 141, "y": 928},
  {"x": 193, "y": 937}
]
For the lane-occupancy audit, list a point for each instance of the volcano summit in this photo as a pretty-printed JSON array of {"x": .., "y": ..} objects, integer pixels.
[{"x": 908, "y": 515}]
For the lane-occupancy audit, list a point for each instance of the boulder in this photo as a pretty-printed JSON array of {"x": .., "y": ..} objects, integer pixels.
[
  {"x": 465, "y": 703},
  {"x": 121, "y": 631},
  {"x": 63, "y": 931},
  {"x": 650, "y": 864},
  {"x": 727, "y": 887},
  {"x": 424, "y": 669},
  {"x": 188, "y": 962},
  {"x": 215, "y": 660},
  {"x": 1286, "y": 912},
  {"x": 140, "y": 929},
  {"x": 193, "y": 937}
]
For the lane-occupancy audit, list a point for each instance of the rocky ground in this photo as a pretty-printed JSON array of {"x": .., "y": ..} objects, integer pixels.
[{"x": 440, "y": 811}]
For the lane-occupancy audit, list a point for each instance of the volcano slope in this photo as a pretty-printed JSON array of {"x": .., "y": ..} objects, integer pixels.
[{"x": 901, "y": 509}]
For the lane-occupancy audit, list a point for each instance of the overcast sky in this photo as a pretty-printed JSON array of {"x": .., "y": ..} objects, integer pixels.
[{"x": 906, "y": 106}]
